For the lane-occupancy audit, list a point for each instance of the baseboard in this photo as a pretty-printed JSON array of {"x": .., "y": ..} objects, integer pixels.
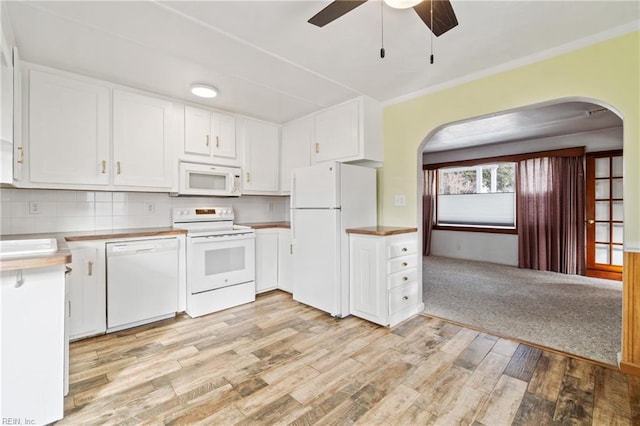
[{"x": 629, "y": 368}]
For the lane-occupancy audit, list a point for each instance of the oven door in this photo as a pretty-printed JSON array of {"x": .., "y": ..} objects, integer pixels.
[{"x": 220, "y": 261}]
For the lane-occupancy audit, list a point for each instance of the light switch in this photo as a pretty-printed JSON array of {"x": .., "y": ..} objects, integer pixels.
[{"x": 400, "y": 200}]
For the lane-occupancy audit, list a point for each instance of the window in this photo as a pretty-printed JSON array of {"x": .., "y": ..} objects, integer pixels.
[{"x": 477, "y": 196}]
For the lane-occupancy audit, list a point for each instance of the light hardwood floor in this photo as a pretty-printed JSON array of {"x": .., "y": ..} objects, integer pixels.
[{"x": 276, "y": 361}]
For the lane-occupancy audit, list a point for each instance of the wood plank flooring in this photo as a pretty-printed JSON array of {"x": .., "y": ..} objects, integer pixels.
[{"x": 276, "y": 361}]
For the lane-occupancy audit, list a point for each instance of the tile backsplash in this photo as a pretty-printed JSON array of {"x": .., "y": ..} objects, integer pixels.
[{"x": 24, "y": 211}]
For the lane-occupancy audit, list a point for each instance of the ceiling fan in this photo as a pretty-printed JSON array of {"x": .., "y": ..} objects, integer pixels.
[{"x": 442, "y": 20}]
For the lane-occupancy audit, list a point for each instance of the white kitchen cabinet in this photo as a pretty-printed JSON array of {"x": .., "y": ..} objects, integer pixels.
[
  {"x": 285, "y": 260},
  {"x": 32, "y": 311},
  {"x": 266, "y": 259},
  {"x": 69, "y": 130},
  {"x": 87, "y": 292},
  {"x": 6, "y": 112},
  {"x": 383, "y": 277},
  {"x": 141, "y": 141},
  {"x": 197, "y": 131},
  {"x": 295, "y": 150},
  {"x": 349, "y": 132},
  {"x": 261, "y": 157},
  {"x": 209, "y": 137}
]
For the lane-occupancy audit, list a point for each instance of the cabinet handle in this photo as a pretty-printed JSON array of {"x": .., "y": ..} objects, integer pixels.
[
  {"x": 317, "y": 148},
  {"x": 69, "y": 305},
  {"x": 405, "y": 297},
  {"x": 405, "y": 278},
  {"x": 217, "y": 141},
  {"x": 89, "y": 268},
  {"x": 117, "y": 167},
  {"x": 21, "y": 151},
  {"x": 207, "y": 140},
  {"x": 103, "y": 163},
  {"x": 290, "y": 248},
  {"x": 404, "y": 249},
  {"x": 404, "y": 263},
  {"x": 248, "y": 177},
  {"x": 19, "y": 279}
]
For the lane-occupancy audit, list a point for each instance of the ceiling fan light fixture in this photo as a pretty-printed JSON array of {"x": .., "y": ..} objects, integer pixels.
[
  {"x": 204, "y": 90},
  {"x": 401, "y": 4}
]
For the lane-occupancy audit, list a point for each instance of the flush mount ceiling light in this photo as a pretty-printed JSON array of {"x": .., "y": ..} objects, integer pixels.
[
  {"x": 401, "y": 4},
  {"x": 204, "y": 90}
]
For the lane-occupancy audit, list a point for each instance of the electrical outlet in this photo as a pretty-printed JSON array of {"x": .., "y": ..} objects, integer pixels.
[
  {"x": 34, "y": 207},
  {"x": 400, "y": 200},
  {"x": 149, "y": 208}
]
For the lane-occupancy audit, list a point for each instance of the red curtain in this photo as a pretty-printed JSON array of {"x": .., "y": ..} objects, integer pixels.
[
  {"x": 428, "y": 208},
  {"x": 550, "y": 214}
]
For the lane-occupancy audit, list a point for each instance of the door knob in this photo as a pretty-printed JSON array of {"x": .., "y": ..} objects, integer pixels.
[{"x": 590, "y": 221}]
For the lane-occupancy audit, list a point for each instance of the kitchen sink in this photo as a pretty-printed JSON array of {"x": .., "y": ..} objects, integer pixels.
[{"x": 29, "y": 247}]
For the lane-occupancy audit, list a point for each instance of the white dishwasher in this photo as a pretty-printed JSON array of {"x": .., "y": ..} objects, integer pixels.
[{"x": 142, "y": 282}]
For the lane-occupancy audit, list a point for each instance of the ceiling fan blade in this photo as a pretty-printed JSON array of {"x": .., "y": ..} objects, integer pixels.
[
  {"x": 333, "y": 11},
  {"x": 444, "y": 17}
]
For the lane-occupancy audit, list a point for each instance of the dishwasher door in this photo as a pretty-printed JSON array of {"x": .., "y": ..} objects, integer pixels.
[{"x": 142, "y": 282}]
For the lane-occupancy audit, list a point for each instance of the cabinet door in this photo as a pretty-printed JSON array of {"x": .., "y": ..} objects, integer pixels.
[
  {"x": 6, "y": 113},
  {"x": 87, "y": 297},
  {"x": 141, "y": 150},
  {"x": 261, "y": 156},
  {"x": 224, "y": 135},
  {"x": 285, "y": 260},
  {"x": 295, "y": 150},
  {"x": 368, "y": 279},
  {"x": 68, "y": 130},
  {"x": 266, "y": 259},
  {"x": 197, "y": 131},
  {"x": 336, "y": 133}
]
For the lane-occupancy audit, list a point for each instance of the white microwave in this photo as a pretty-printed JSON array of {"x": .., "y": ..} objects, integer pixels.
[{"x": 205, "y": 179}]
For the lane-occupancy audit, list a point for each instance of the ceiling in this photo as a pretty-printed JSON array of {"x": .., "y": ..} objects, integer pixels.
[{"x": 269, "y": 63}]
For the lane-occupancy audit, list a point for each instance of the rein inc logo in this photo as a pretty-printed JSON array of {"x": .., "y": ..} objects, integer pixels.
[{"x": 16, "y": 421}]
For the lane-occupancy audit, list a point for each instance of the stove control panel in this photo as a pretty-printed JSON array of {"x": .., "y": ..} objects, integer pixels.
[{"x": 196, "y": 214}]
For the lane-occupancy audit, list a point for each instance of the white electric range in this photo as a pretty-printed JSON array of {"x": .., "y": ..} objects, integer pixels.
[{"x": 220, "y": 259}]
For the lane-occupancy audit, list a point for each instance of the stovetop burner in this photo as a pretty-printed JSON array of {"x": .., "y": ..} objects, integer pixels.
[{"x": 203, "y": 221}]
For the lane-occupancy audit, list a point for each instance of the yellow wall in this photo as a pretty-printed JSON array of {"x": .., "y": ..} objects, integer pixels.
[{"x": 608, "y": 71}]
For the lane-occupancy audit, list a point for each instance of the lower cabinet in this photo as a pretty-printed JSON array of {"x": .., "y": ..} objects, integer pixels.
[
  {"x": 285, "y": 260},
  {"x": 266, "y": 259},
  {"x": 383, "y": 277},
  {"x": 87, "y": 293},
  {"x": 33, "y": 345}
]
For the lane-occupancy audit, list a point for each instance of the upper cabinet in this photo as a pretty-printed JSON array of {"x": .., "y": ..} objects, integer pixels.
[
  {"x": 295, "y": 149},
  {"x": 68, "y": 130},
  {"x": 349, "y": 132},
  {"x": 261, "y": 149},
  {"x": 141, "y": 145},
  {"x": 6, "y": 112},
  {"x": 82, "y": 133},
  {"x": 209, "y": 137}
]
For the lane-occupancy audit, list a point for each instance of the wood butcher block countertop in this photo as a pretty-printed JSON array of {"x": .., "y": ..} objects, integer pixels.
[
  {"x": 63, "y": 255},
  {"x": 266, "y": 225},
  {"x": 381, "y": 231}
]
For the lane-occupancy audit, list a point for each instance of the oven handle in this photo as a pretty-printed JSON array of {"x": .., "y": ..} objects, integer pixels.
[{"x": 221, "y": 238}]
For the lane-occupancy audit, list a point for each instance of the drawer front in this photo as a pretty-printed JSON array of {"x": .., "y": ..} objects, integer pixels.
[
  {"x": 402, "y": 264},
  {"x": 403, "y": 277},
  {"x": 401, "y": 248},
  {"x": 402, "y": 298}
]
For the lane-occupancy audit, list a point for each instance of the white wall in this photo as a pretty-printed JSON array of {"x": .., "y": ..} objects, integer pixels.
[
  {"x": 65, "y": 211},
  {"x": 481, "y": 246},
  {"x": 503, "y": 248}
]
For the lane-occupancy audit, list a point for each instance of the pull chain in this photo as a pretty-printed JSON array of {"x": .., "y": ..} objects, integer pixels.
[
  {"x": 381, "y": 30},
  {"x": 432, "y": 29}
]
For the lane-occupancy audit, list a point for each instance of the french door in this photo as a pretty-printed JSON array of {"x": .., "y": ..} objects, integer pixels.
[{"x": 605, "y": 224}]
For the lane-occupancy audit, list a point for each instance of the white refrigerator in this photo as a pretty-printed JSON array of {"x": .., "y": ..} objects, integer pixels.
[{"x": 326, "y": 199}]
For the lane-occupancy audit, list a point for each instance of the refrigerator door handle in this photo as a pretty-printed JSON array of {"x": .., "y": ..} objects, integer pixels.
[
  {"x": 292, "y": 201},
  {"x": 293, "y": 226}
]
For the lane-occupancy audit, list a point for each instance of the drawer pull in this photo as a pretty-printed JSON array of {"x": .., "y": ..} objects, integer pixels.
[
  {"x": 90, "y": 268},
  {"x": 404, "y": 263},
  {"x": 404, "y": 249},
  {"x": 405, "y": 278},
  {"x": 405, "y": 297}
]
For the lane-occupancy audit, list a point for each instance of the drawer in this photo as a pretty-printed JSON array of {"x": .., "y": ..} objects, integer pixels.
[
  {"x": 402, "y": 298},
  {"x": 402, "y": 264},
  {"x": 403, "y": 277},
  {"x": 401, "y": 248}
]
